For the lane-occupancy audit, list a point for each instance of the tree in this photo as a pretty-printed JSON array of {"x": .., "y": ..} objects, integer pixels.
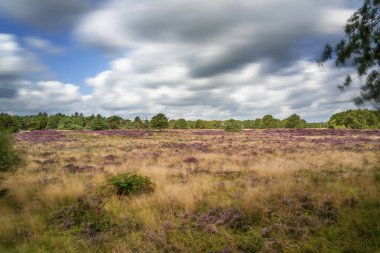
[
  {"x": 269, "y": 121},
  {"x": 200, "y": 124},
  {"x": 180, "y": 124},
  {"x": 355, "y": 119},
  {"x": 98, "y": 123},
  {"x": 159, "y": 121},
  {"x": 115, "y": 122},
  {"x": 8, "y": 123},
  {"x": 294, "y": 121},
  {"x": 232, "y": 125},
  {"x": 361, "y": 49},
  {"x": 137, "y": 122}
]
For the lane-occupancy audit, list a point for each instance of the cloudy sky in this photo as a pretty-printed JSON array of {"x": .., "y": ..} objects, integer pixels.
[{"x": 214, "y": 59}]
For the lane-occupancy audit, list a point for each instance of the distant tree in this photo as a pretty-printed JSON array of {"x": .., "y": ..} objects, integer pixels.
[
  {"x": 269, "y": 121},
  {"x": 294, "y": 121},
  {"x": 138, "y": 123},
  {"x": 200, "y": 124},
  {"x": 42, "y": 120},
  {"x": 8, "y": 123},
  {"x": 180, "y": 124},
  {"x": 159, "y": 121},
  {"x": 146, "y": 124},
  {"x": 115, "y": 122},
  {"x": 361, "y": 48},
  {"x": 66, "y": 123},
  {"x": 355, "y": 119},
  {"x": 53, "y": 121},
  {"x": 98, "y": 123},
  {"x": 232, "y": 125}
]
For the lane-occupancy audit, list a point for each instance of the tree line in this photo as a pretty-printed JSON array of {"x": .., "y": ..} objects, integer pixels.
[{"x": 351, "y": 119}]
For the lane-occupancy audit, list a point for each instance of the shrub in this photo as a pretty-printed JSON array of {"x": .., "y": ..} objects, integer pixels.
[
  {"x": 232, "y": 126},
  {"x": 9, "y": 159},
  {"x": 160, "y": 121},
  {"x": 129, "y": 184}
]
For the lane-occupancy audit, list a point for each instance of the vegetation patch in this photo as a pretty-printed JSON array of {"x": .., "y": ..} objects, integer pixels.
[{"x": 131, "y": 184}]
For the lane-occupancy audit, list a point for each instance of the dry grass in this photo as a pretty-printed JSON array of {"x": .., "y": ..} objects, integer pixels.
[{"x": 235, "y": 189}]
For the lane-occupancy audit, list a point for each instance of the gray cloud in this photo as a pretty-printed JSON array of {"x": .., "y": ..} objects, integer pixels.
[
  {"x": 43, "y": 45},
  {"x": 15, "y": 63},
  {"x": 216, "y": 37},
  {"x": 49, "y": 14},
  {"x": 193, "y": 59}
]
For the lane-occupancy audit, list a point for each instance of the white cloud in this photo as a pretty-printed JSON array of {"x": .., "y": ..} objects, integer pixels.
[
  {"x": 14, "y": 60},
  {"x": 49, "y": 96}
]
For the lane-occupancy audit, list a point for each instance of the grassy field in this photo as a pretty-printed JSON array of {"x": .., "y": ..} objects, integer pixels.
[{"x": 276, "y": 190}]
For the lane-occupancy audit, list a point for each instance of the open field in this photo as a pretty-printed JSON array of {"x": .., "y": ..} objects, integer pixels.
[{"x": 274, "y": 190}]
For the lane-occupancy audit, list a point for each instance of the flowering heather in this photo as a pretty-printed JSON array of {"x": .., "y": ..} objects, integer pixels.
[
  {"x": 273, "y": 190},
  {"x": 119, "y": 132},
  {"x": 42, "y": 136}
]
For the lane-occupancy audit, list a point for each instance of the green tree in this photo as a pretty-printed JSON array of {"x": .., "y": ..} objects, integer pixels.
[
  {"x": 200, "y": 124},
  {"x": 138, "y": 123},
  {"x": 8, "y": 123},
  {"x": 294, "y": 121},
  {"x": 115, "y": 122},
  {"x": 269, "y": 121},
  {"x": 232, "y": 125},
  {"x": 361, "y": 48},
  {"x": 159, "y": 121},
  {"x": 355, "y": 119},
  {"x": 180, "y": 124},
  {"x": 98, "y": 123}
]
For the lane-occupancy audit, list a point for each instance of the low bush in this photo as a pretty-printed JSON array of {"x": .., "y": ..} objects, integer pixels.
[{"x": 130, "y": 184}]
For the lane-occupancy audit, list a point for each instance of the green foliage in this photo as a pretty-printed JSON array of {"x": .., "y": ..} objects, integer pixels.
[
  {"x": 159, "y": 121},
  {"x": 232, "y": 125},
  {"x": 361, "y": 48},
  {"x": 130, "y": 184},
  {"x": 355, "y": 119},
  {"x": 269, "y": 121},
  {"x": 8, "y": 123},
  {"x": 137, "y": 123},
  {"x": 294, "y": 121},
  {"x": 9, "y": 158},
  {"x": 180, "y": 124},
  {"x": 98, "y": 123},
  {"x": 115, "y": 122},
  {"x": 200, "y": 124}
]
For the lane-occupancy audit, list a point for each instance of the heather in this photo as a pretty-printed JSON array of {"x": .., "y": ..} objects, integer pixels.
[{"x": 193, "y": 190}]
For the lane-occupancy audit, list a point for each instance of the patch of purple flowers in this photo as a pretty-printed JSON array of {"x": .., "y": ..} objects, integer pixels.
[
  {"x": 42, "y": 136},
  {"x": 120, "y": 132}
]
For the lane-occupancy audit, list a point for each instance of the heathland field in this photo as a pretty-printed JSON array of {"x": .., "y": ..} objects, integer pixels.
[{"x": 273, "y": 190}]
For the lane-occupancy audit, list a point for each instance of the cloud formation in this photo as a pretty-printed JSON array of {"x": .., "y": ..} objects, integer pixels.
[
  {"x": 47, "y": 14},
  {"x": 43, "y": 45},
  {"x": 47, "y": 96},
  {"x": 15, "y": 62},
  {"x": 190, "y": 58},
  {"x": 217, "y": 36}
]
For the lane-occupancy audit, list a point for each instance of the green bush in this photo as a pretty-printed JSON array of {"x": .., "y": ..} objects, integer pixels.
[
  {"x": 129, "y": 184},
  {"x": 9, "y": 159},
  {"x": 232, "y": 125}
]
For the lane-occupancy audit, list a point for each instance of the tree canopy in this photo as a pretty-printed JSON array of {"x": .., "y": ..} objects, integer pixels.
[
  {"x": 160, "y": 121},
  {"x": 361, "y": 49}
]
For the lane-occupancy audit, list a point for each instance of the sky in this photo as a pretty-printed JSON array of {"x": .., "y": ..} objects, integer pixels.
[{"x": 215, "y": 59}]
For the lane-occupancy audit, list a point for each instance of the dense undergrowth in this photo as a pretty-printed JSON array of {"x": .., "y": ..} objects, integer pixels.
[{"x": 214, "y": 192}]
